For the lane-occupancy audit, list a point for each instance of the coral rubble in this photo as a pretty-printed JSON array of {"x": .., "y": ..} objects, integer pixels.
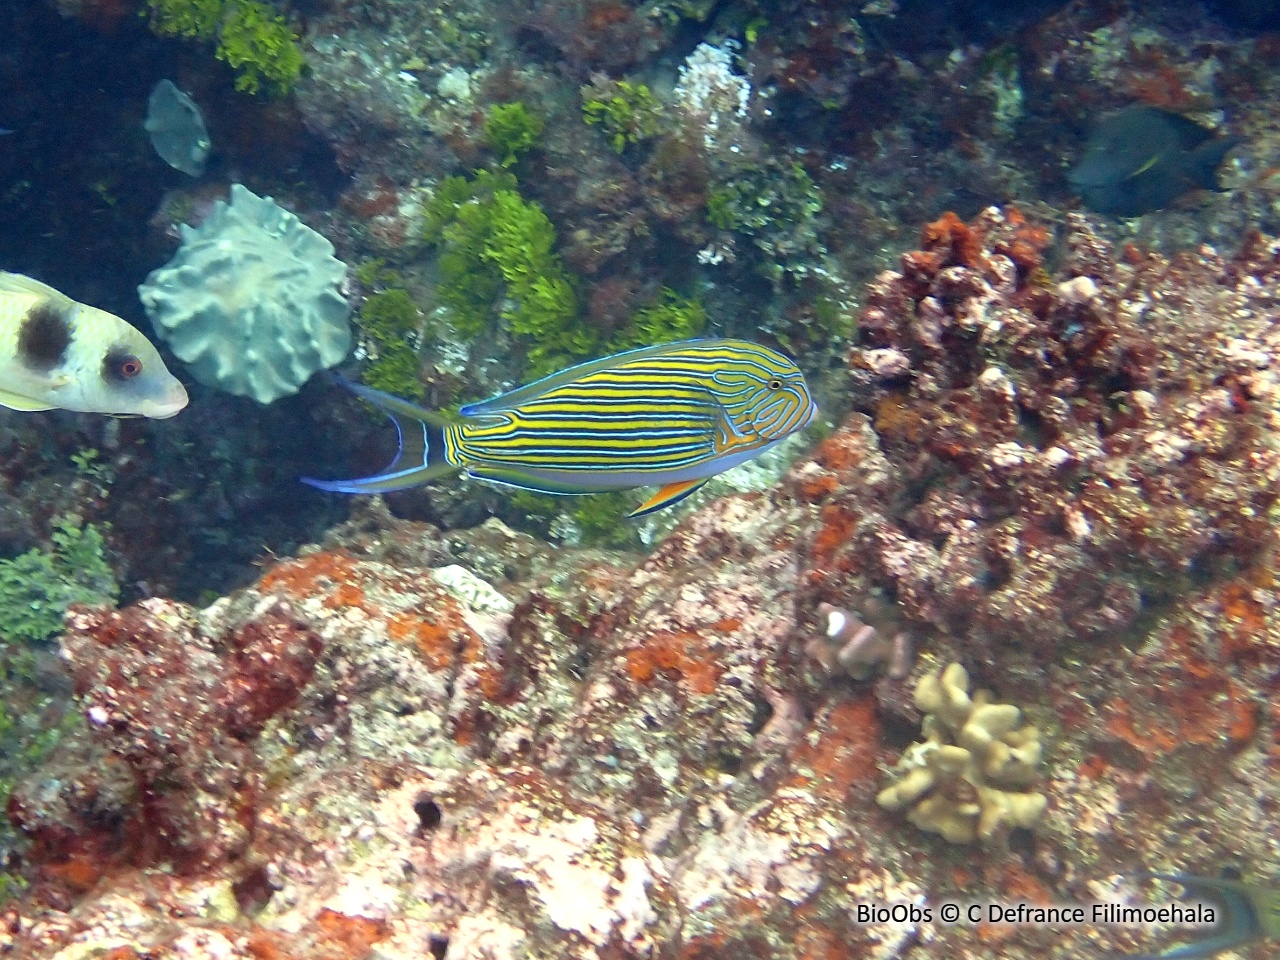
[
  {"x": 1076, "y": 447},
  {"x": 970, "y": 776}
]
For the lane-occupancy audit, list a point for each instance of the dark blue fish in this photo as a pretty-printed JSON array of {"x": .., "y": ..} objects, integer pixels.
[
  {"x": 1250, "y": 912},
  {"x": 1143, "y": 158},
  {"x": 4, "y": 131}
]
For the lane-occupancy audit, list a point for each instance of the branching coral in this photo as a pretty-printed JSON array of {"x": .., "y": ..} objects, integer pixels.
[
  {"x": 971, "y": 775},
  {"x": 847, "y": 645}
]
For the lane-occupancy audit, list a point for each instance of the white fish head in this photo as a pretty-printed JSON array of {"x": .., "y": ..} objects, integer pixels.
[{"x": 114, "y": 369}]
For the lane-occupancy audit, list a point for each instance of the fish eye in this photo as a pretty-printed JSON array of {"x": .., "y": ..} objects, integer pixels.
[
  {"x": 118, "y": 366},
  {"x": 775, "y": 384}
]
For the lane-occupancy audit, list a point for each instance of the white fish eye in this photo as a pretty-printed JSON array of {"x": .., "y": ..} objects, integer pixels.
[{"x": 775, "y": 384}]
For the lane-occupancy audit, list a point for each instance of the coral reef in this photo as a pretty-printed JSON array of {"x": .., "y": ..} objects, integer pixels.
[
  {"x": 1061, "y": 471},
  {"x": 172, "y": 714},
  {"x": 970, "y": 777},
  {"x": 1078, "y": 448},
  {"x": 599, "y": 756}
]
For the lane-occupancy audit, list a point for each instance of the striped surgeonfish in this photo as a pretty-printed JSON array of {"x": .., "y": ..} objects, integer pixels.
[
  {"x": 670, "y": 416},
  {"x": 1249, "y": 912}
]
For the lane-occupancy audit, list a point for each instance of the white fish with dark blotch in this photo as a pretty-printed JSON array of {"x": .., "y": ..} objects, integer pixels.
[{"x": 58, "y": 353}]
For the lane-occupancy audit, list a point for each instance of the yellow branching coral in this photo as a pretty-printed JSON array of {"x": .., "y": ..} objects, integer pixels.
[{"x": 971, "y": 774}]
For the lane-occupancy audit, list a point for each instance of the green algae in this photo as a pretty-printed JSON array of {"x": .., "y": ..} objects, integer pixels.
[
  {"x": 37, "y": 587},
  {"x": 250, "y": 36},
  {"x": 389, "y": 320},
  {"x": 673, "y": 317},
  {"x": 627, "y": 112},
  {"x": 511, "y": 129},
  {"x": 499, "y": 270}
]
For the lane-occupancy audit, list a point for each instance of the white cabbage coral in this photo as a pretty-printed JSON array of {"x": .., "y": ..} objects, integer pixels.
[{"x": 251, "y": 302}]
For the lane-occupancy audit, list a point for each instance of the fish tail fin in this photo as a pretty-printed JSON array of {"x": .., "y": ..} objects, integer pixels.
[
  {"x": 1238, "y": 925},
  {"x": 1206, "y": 158},
  {"x": 419, "y": 455}
]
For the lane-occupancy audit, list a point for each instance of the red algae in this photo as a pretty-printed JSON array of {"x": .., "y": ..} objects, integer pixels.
[{"x": 684, "y": 654}]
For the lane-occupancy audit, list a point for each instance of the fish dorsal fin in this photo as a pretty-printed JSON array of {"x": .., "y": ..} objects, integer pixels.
[
  {"x": 514, "y": 398},
  {"x": 17, "y": 283}
]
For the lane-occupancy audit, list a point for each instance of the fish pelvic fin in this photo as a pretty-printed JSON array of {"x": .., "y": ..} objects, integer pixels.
[
  {"x": 668, "y": 496},
  {"x": 420, "y": 451}
]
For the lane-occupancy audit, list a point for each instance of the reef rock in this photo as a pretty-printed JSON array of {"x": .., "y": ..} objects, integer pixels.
[{"x": 506, "y": 749}]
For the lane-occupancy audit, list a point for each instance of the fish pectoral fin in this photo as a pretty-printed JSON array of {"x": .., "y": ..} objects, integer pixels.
[
  {"x": 667, "y": 496},
  {"x": 16, "y": 401},
  {"x": 1155, "y": 158},
  {"x": 727, "y": 443}
]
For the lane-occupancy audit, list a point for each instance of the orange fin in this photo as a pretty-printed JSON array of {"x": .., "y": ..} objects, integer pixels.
[{"x": 672, "y": 493}]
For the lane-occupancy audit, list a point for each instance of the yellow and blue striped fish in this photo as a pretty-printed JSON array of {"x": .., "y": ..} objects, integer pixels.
[{"x": 673, "y": 416}]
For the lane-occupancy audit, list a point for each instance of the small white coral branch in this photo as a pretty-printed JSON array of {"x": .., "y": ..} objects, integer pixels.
[{"x": 858, "y": 649}]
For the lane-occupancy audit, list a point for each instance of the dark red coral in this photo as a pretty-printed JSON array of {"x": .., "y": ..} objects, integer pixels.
[
  {"x": 169, "y": 773},
  {"x": 269, "y": 661},
  {"x": 1073, "y": 447}
]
